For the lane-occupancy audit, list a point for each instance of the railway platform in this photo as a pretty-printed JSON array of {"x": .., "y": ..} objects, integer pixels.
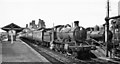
[{"x": 19, "y": 52}]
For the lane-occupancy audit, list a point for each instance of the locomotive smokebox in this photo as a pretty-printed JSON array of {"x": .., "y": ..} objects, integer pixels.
[{"x": 76, "y": 23}]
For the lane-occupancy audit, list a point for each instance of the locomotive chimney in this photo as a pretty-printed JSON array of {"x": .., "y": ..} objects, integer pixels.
[{"x": 76, "y": 23}]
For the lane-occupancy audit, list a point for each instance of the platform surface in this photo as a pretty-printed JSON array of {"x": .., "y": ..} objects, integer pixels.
[{"x": 19, "y": 52}]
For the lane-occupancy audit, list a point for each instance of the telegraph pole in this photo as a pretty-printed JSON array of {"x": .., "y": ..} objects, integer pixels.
[
  {"x": 107, "y": 18},
  {"x": 107, "y": 28}
]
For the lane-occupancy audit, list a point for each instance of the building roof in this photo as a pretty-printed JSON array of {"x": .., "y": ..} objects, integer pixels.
[{"x": 12, "y": 26}]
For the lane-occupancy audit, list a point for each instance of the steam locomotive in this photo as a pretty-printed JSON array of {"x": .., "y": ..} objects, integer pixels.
[
  {"x": 97, "y": 34},
  {"x": 76, "y": 41},
  {"x": 63, "y": 38}
]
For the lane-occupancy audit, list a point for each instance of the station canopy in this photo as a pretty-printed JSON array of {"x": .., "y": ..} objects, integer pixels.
[{"x": 12, "y": 26}]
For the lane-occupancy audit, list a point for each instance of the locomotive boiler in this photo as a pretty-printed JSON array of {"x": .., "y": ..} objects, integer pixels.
[{"x": 67, "y": 33}]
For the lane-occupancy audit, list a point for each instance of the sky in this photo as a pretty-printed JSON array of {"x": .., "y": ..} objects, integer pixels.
[{"x": 87, "y": 12}]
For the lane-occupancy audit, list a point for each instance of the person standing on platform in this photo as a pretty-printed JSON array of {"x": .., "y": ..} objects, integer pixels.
[
  {"x": 11, "y": 33},
  {"x": 11, "y": 37}
]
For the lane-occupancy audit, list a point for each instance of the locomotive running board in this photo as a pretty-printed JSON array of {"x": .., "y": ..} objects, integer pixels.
[{"x": 81, "y": 46}]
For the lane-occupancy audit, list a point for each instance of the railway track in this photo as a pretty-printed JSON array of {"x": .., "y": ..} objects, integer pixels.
[
  {"x": 59, "y": 58},
  {"x": 48, "y": 57}
]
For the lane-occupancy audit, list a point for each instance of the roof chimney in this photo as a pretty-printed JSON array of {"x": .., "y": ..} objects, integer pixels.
[
  {"x": 26, "y": 25},
  {"x": 76, "y": 23},
  {"x": 33, "y": 22}
]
